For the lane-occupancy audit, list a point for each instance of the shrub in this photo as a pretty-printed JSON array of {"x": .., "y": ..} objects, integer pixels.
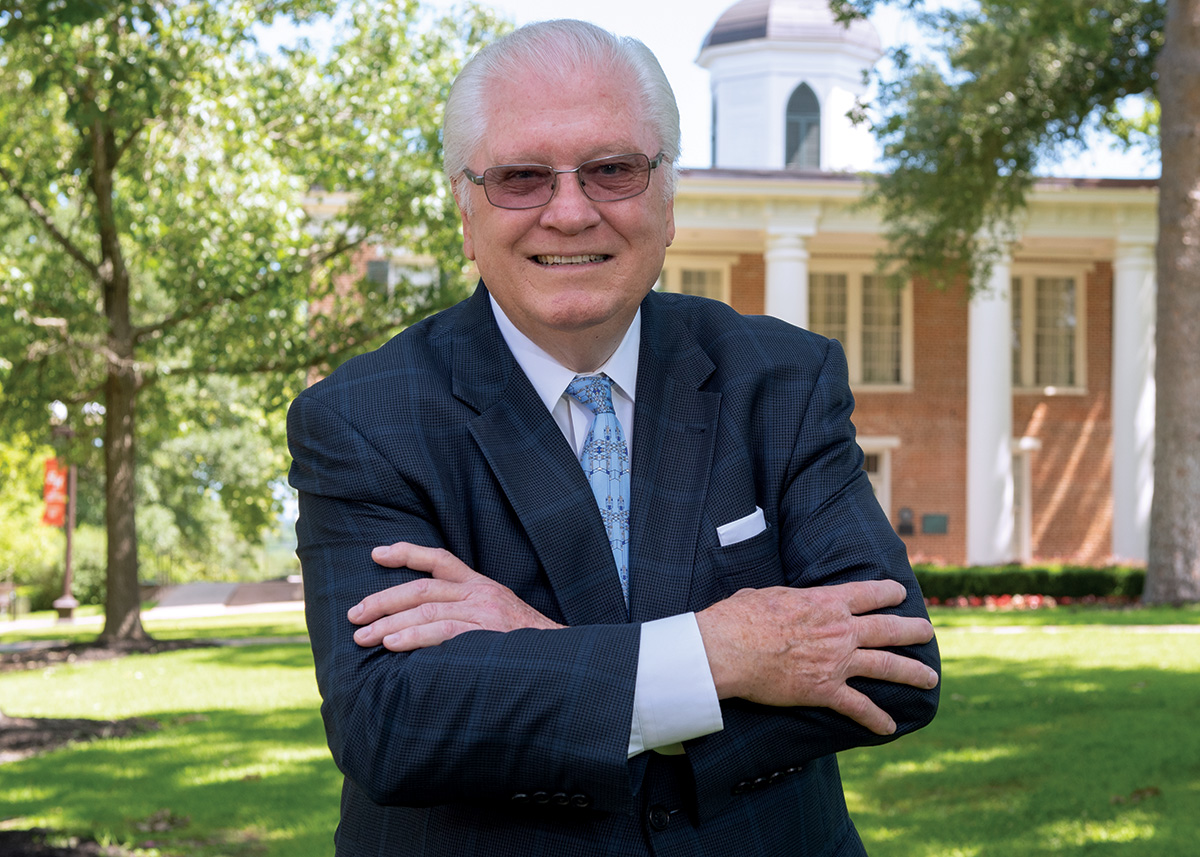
[
  {"x": 944, "y": 582},
  {"x": 45, "y": 580}
]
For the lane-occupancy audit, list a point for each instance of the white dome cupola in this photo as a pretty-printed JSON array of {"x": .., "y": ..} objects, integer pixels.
[{"x": 784, "y": 74}]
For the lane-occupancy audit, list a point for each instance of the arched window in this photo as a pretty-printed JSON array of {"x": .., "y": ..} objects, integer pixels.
[{"x": 803, "y": 141}]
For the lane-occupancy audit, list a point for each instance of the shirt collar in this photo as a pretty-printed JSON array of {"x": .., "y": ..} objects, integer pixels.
[{"x": 550, "y": 378}]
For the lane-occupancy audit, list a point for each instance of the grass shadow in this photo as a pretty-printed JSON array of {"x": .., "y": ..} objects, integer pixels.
[{"x": 213, "y": 782}]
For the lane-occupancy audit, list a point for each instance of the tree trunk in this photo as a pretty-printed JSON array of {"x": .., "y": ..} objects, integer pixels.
[
  {"x": 123, "y": 603},
  {"x": 122, "y": 607},
  {"x": 1173, "y": 573}
]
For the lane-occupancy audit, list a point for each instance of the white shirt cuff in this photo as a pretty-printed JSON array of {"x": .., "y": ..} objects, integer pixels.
[{"x": 674, "y": 698}]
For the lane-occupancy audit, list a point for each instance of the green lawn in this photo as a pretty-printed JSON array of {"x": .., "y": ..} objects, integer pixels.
[
  {"x": 958, "y": 617},
  {"x": 286, "y": 623},
  {"x": 238, "y": 767},
  {"x": 1062, "y": 741},
  {"x": 1072, "y": 740}
]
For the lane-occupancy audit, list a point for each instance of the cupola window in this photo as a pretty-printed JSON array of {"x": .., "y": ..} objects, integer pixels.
[{"x": 803, "y": 141}]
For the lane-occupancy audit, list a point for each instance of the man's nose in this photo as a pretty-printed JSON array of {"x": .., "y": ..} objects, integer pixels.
[{"x": 570, "y": 209}]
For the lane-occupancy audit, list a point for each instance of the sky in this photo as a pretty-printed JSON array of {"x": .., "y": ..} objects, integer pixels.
[{"x": 675, "y": 30}]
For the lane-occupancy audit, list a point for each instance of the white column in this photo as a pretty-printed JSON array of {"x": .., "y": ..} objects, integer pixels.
[
  {"x": 787, "y": 277},
  {"x": 989, "y": 420},
  {"x": 1134, "y": 287}
]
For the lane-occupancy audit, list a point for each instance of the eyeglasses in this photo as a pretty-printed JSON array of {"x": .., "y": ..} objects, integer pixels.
[{"x": 520, "y": 186}]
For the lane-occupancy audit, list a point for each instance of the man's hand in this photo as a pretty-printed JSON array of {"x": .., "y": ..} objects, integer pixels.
[
  {"x": 431, "y": 610},
  {"x": 783, "y": 646}
]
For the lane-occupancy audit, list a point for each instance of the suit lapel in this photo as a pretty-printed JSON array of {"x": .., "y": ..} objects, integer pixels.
[
  {"x": 537, "y": 471},
  {"x": 675, "y": 427}
]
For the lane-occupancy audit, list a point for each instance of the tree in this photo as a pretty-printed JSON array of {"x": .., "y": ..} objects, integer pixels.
[
  {"x": 1173, "y": 573},
  {"x": 165, "y": 219},
  {"x": 963, "y": 135}
]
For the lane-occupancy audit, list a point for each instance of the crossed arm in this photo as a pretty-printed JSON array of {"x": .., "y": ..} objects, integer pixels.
[{"x": 779, "y": 646}]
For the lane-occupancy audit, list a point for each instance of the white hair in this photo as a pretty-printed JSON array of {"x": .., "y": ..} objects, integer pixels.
[{"x": 557, "y": 48}]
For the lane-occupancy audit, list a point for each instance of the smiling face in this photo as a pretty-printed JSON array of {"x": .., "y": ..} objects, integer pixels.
[{"x": 570, "y": 275}]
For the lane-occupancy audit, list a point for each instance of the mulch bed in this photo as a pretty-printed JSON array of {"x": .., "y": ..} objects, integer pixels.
[
  {"x": 41, "y": 657},
  {"x": 32, "y": 843},
  {"x": 21, "y": 737}
]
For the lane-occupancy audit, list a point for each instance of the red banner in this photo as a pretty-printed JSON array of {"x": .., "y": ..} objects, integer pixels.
[{"x": 54, "y": 492}]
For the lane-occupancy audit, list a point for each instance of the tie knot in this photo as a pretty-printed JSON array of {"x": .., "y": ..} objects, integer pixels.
[{"x": 594, "y": 392}]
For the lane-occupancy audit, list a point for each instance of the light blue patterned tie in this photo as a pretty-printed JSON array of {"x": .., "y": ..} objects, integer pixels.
[{"x": 605, "y": 461}]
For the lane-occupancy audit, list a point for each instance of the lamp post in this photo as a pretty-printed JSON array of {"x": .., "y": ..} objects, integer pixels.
[{"x": 66, "y": 603}]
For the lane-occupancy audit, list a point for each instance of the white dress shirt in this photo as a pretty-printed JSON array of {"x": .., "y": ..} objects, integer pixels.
[{"x": 675, "y": 698}]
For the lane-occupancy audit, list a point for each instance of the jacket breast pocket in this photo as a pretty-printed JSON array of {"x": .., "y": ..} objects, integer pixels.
[{"x": 749, "y": 564}]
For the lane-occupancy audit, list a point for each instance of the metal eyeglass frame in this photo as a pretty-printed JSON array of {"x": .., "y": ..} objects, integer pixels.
[{"x": 478, "y": 179}]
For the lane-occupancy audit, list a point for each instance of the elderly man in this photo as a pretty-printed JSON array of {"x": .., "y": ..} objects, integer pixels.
[{"x": 659, "y": 651}]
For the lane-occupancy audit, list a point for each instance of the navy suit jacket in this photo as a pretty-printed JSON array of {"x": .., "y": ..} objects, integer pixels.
[{"x": 516, "y": 743}]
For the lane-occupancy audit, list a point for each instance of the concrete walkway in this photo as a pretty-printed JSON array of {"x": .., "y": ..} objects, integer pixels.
[{"x": 209, "y": 599}]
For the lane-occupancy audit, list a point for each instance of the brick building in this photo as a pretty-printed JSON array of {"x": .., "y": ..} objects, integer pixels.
[{"x": 1014, "y": 424}]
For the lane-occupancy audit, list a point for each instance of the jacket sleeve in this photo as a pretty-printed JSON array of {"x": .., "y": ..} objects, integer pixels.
[
  {"x": 485, "y": 716},
  {"x": 829, "y": 529}
]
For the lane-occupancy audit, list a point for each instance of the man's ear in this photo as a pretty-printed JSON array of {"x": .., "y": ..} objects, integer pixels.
[{"x": 670, "y": 221}]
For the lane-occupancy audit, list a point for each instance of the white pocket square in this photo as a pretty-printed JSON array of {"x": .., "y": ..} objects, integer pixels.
[{"x": 742, "y": 528}]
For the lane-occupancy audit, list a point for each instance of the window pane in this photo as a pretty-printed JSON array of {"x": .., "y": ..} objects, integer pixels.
[
  {"x": 827, "y": 305},
  {"x": 1055, "y": 335},
  {"x": 873, "y": 467},
  {"x": 881, "y": 332},
  {"x": 379, "y": 271},
  {"x": 703, "y": 283}
]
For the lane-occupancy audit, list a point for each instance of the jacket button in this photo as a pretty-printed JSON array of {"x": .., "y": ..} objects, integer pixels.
[
  {"x": 741, "y": 788},
  {"x": 541, "y": 797},
  {"x": 581, "y": 801},
  {"x": 561, "y": 799},
  {"x": 659, "y": 817}
]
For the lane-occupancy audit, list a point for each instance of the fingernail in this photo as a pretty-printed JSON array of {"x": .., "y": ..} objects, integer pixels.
[
  {"x": 362, "y": 633},
  {"x": 355, "y": 612}
]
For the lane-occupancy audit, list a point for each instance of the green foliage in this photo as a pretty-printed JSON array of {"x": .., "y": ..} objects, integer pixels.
[
  {"x": 1011, "y": 85},
  {"x": 943, "y": 582},
  {"x": 218, "y": 449},
  {"x": 179, "y": 208},
  {"x": 201, "y": 513},
  {"x": 43, "y": 581},
  {"x": 225, "y": 163},
  {"x": 28, "y": 548}
]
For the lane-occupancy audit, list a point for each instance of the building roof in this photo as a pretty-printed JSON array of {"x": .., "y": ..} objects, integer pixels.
[{"x": 788, "y": 21}]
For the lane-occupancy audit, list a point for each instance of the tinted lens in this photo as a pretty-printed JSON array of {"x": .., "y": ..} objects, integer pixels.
[
  {"x": 518, "y": 185},
  {"x": 608, "y": 179}
]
